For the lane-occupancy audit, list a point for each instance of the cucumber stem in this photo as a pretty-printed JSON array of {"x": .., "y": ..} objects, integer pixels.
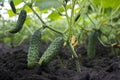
[
  {"x": 44, "y": 24},
  {"x": 75, "y": 56},
  {"x": 37, "y": 15},
  {"x": 91, "y": 20},
  {"x": 71, "y": 20},
  {"x": 54, "y": 30}
]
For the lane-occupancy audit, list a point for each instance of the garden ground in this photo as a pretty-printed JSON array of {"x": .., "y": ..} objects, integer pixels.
[{"x": 104, "y": 66}]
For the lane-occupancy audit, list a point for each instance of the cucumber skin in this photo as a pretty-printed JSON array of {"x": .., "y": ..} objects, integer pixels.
[
  {"x": 20, "y": 22},
  {"x": 92, "y": 44},
  {"x": 13, "y": 6},
  {"x": 33, "y": 51},
  {"x": 52, "y": 51}
]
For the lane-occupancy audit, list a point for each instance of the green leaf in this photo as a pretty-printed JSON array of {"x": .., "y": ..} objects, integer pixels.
[
  {"x": 28, "y": 20},
  {"x": 47, "y": 4},
  {"x": 107, "y": 3},
  {"x": 110, "y": 3},
  {"x": 104, "y": 39},
  {"x": 11, "y": 14},
  {"x": 1, "y": 0},
  {"x": 16, "y": 2},
  {"x": 54, "y": 16},
  {"x": 105, "y": 29}
]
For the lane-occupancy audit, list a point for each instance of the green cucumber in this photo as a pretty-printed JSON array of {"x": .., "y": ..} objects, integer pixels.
[
  {"x": 20, "y": 22},
  {"x": 92, "y": 44},
  {"x": 77, "y": 17},
  {"x": 52, "y": 51},
  {"x": 12, "y": 5},
  {"x": 33, "y": 51}
]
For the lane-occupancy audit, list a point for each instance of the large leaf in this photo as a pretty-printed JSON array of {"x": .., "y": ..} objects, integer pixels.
[
  {"x": 54, "y": 16},
  {"x": 16, "y": 2},
  {"x": 107, "y": 3},
  {"x": 105, "y": 29},
  {"x": 47, "y": 4},
  {"x": 104, "y": 39},
  {"x": 1, "y": 0}
]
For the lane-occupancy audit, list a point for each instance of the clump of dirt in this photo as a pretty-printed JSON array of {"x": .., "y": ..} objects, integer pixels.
[{"x": 103, "y": 67}]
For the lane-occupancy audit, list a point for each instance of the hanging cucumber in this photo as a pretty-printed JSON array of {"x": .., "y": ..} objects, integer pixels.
[
  {"x": 77, "y": 17},
  {"x": 92, "y": 44},
  {"x": 20, "y": 22},
  {"x": 33, "y": 52},
  {"x": 52, "y": 51},
  {"x": 12, "y": 5}
]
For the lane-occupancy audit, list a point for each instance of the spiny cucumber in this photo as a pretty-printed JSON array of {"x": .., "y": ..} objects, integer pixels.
[
  {"x": 52, "y": 51},
  {"x": 20, "y": 22},
  {"x": 33, "y": 52},
  {"x": 13, "y": 6},
  {"x": 92, "y": 44}
]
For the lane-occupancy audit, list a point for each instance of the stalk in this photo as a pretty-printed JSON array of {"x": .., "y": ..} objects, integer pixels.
[
  {"x": 44, "y": 24},
  {"x": 75, "y": 56}
]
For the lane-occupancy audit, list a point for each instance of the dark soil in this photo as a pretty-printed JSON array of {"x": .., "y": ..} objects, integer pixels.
[{"x": 103, "y": 67}]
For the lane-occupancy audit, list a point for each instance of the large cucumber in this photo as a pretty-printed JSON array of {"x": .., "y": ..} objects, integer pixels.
[
  {"x": 92, "y": 44},
  {"x": 51, "y": 51},
  {"x": 33, "y": 52},
  {"x": 12, "y": 5},
  {"x": 20, "y": 22}
]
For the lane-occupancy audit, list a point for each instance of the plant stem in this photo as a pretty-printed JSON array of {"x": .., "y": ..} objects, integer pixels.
[
  {"x": 91, "y": 20},
  {"x": 54, "y": 30},
  {"x": 71, "y": 20},
  {"x": 38, "y": 16},
  {"x": 28, "y": 29},
  {"x": 69, "y": 29},
  {"x": 44, "y": 24},
  {"x": 67, "y": 19},
  {"x": 64, "y": 36},
  {"x": 75, "y": 56}
]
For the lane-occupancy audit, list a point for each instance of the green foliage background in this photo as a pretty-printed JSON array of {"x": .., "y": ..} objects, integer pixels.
[{"x": 103, "y": 13}]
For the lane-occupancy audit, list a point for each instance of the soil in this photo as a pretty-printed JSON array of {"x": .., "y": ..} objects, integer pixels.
[{"x": 105, "y": 66}]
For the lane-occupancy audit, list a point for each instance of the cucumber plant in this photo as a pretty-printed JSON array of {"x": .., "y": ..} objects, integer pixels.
[
  {"x": 78, "y": 22},
  {"x": 57, "y": 44}
]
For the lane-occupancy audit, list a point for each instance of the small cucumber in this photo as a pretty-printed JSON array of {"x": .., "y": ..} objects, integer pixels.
[
  {"x": 52, "y": 51},
  {"x": 20, "y": 22},
  {"x": 77, "y": 17},
  {"x": 92, "y": 44},
  {"x": 12, "y": 5},
  {"x": 33, "y": 52}
]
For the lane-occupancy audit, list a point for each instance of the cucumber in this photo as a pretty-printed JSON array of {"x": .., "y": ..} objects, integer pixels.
[
  {"x": 52, "y": 51},
  {"x": 77, "y": 17},
  {"x": 20, "y": 22},
  {"x": 12, "y": 5},
  {"x": 92, "y": 44},
  {"x": 33, "y": 51}
]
